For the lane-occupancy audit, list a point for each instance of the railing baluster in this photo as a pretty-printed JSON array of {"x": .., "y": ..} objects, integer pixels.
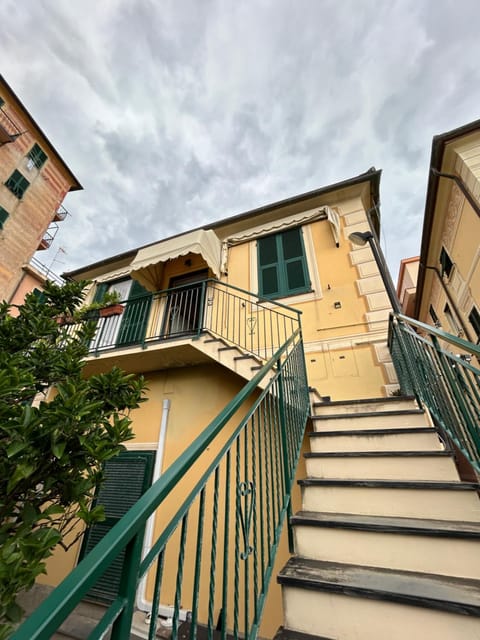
[
  {"x": 178, "y": 589},
  {"x": 213, "y": 556},
  {"x": 198, "y": 564},
  {"x": 226, "y": 548}
]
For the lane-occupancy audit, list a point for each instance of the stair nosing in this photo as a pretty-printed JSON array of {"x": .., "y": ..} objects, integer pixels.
[
  {"x": 364, "y": 401},
  {"x": 409, "y": 593},
  {"x": 435, "y": 485},
  {"x": 388, "y": 524},
  {"x": 379, "y": 454},
  {"x": 369, "y": 414},
  {"x": 284, "y": 633},
  {"x": 362, "y": 432}
]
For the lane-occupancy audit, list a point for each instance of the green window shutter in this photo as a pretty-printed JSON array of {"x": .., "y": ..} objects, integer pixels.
[
  {"x": 3, "y": 216},
  {"x": 135, "y": 316},
  {"x": 100, "y": 291},
  {"x": 127, "y": 477},
  {"x": 17, "y": 184},
  {"x": 37, "y": 156},
  {"x": 282, "y": 264},
  {"x": 40, "y": 295},
  {"x": 268, "y": 264},
  {"x": 446, "y": 263},
  {"x": 474, "y": 319}
]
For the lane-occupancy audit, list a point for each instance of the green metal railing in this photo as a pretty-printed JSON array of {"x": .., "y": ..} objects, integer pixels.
[
  {"x": 256, "y": 325},
  {"x": 219, "y": 513},
  {"x": 441, "y": 370}
]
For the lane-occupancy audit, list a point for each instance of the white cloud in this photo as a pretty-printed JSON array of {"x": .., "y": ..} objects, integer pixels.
[{"x": 176, "y": 113}]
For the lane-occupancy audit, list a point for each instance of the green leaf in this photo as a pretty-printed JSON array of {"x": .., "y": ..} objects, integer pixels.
[
  {"x": 53, "y": 510},
  {"x": 14, "y": 612},
  {"x": 58, "y": 449},
  {"x": 15, "y": 448}
]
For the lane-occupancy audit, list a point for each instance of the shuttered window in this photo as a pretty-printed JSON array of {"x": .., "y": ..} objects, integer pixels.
[
  {"x": 17, "y": 184},
  {"x": 474, "y": 319},
  {"x": 282, "y": 265},
  {"x": 127, "y": 477},
  {"x": 446, "y": 263},
  {"x": 37, "y": 156},
  {"x": 3, "y": 216}
]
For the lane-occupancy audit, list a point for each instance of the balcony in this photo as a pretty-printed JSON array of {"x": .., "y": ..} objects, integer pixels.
[
  {"x": 160, "y": 330},
  {"x": 48, "y": 237},
  {"x": 9, "y": 131},
  {"x": 60, "y": 214}
]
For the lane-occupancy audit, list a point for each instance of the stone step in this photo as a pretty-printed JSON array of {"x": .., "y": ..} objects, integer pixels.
[
  {"x": 408, "y": 439},
  {"x": 365, "y": 405},
  {"x": 397, "y": 465},
  {"x": 378, "y": 420},
  {"x": 410, "y": 544},
  {"x": 288, "y": 634},
  {"x": 351, "y": 602},
  {"x": 410, "y": 499}
]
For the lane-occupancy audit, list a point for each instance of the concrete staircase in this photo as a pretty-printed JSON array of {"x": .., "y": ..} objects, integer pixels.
[
  {"x": 388, "y": 539},
  {"x": 232, "y": 357}
]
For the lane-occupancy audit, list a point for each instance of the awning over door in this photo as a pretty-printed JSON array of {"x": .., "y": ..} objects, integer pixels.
[{"x": 147, "y": 266}]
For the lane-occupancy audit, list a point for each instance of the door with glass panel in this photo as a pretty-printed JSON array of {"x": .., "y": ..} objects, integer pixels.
[{"x": 183, "y": 309}]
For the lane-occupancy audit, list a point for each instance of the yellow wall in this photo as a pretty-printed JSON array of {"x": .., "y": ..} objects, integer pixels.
[{"x": 342, "y": 356}]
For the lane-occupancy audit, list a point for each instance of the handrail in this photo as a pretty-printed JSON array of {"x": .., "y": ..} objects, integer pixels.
[
  {"x": 447, "y": 383},
  {"x": 264, "y": 449},
  {"x": 461, "y": 343}
]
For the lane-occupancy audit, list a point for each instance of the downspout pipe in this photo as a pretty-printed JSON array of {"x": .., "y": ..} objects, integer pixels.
[
  {"x": 142, "y": 603},
  {"x": 461, "y": 185},
  {"x": 452, "y": 303}
]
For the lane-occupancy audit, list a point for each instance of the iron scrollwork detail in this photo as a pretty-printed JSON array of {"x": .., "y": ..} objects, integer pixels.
[{"x": 246, "y": 506}]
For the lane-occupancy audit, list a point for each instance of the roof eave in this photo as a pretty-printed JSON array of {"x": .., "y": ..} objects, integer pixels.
[
  {"x": 75, "y": 184},
  {"x": 372, "y": 175}
]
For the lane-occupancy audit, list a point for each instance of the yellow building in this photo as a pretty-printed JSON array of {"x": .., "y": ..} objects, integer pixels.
[
  {"x": 203, "y": 310},
  {"x": 386, "y": 527},
  {"x": 448, "y": 289},
  {"x": 34, "y": 181}
]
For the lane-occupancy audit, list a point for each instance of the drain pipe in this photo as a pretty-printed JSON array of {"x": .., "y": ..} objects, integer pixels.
[
  {"x": 452, "y": 302},
  {"x": 142, "y": 603},
  {"x": 461, "y": 185}
]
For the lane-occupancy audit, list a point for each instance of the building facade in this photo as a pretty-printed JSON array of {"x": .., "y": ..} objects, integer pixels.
[
  {"x": 34, "y": 181},
  {"x": 203, "y": 310},
  {"x": 448, "y": 290}
]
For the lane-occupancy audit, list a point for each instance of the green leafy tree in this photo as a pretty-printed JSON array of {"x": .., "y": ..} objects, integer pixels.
[{"x": 57, "y": 428}]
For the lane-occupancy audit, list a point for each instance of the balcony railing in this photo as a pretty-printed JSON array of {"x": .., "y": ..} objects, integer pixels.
[
  {"x": 48, "y": 236},
  {"x": 9, "y": 131},
  {"x": 442, "y": 371},
  {"x": 239, "y": 318}
]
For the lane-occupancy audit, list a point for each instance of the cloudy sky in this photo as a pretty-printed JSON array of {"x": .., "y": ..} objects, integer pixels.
[{"x": 173, "y": 113}]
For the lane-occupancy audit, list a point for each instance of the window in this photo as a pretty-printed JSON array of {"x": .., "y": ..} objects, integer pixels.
[
  {"x": 446, "y": 263},
  {"x": 434, "y": 317},
  {"x": 474, "y": 319},
  {"x": 2, "y": 102},
  {"x": 37, "y": 156},
  {"x": 452, "y": 320},
  {"x": 17, "y": 184},
  {"x": 282, "y": 266},
  {"x": 3, "y": 216}
]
